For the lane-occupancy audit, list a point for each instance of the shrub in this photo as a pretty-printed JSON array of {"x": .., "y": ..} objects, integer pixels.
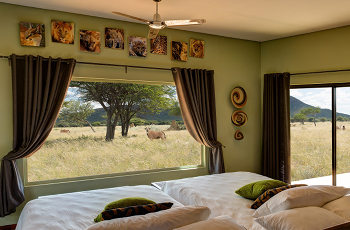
[
  {"x": 340, "y": 118},
  {"x": 137, "y": 121},
  {"x": 96, "y": 123}
]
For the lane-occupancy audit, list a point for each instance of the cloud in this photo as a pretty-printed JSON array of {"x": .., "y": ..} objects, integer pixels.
[
  {"x": 296, "y": 93},
  {"x": 322, "y": 97},
  {"x": 96, "y": 105}
]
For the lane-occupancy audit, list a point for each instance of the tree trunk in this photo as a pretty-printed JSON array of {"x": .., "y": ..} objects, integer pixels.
[
  {"x": 315, "y": 120},
  {"x": 125, "y": 125},
  {"x": 112, "y": 132},
  {"x": 110, "y": 129},
  {"x": 114, "y": 124},
  {"x": 90, "y": 125}
]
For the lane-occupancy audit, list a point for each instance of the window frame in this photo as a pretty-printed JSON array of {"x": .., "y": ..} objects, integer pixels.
[{"x": 204, "y": 152}]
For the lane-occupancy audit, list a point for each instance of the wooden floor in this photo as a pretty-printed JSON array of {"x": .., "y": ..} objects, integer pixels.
[{"x": 8, "y": 227}]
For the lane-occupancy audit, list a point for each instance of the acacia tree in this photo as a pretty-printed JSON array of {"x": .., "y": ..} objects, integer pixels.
[
  {"x": 121, "y": 100},
  {"x": 108, "y": 95},
  {"x": 144, "y": 99},
  {"x": 75, "y": 111},
  {"x": 313, "y": 111}
]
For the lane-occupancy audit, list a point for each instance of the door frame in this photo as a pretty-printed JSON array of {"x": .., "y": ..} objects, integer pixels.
[{"x": 334, "y": 87}]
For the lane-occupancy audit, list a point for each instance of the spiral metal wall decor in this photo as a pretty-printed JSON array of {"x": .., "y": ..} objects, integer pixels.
[
  {"x": 239, "y": 118},
  {"x": 238, "y": 97},
  {"x": 239, "y": 135}
]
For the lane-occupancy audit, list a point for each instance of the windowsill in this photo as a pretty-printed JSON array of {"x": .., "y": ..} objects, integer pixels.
[{"x": 114, "y": 175}]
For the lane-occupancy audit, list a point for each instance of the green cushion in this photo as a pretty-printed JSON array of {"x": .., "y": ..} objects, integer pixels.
[
  {"x": 125, "y": 202},
  {"x": 255, "y": 189}
]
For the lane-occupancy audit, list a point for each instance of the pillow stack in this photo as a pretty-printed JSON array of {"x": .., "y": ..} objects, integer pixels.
[{"x": 300, "y": 208}]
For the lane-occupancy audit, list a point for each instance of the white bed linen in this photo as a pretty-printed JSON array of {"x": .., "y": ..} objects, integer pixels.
[
  {"x": 75, "y": 211},
  {"x": 217, "y": 192}
]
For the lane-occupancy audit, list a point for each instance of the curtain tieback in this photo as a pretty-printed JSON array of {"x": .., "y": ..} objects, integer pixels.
[{"x": 216, "y": 144}]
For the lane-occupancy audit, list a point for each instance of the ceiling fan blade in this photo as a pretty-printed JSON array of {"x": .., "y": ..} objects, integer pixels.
[
  {"x": 184, "y": 22},
  {"x": 132, "y": 17},
  {"x": 152, "y": 33}
]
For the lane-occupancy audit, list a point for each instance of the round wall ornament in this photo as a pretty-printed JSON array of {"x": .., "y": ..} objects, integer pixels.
[
  {"x": 239, "y": 118},
  {"x": 238, "y": 97}
]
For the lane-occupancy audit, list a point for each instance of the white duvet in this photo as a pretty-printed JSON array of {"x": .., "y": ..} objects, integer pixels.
[
  {"x": 218, "y": 193},
  {"x": 75, "y": 211}
]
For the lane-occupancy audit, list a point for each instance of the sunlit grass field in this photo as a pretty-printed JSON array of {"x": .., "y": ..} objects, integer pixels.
[
  {"x": 311, "y": 150},
  {"x": 84, "y": 153}
]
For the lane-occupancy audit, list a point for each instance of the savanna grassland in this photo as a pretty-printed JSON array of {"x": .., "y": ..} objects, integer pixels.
[
  {"x": 83, "y": 152},
  {"x": 311, "y": 150}
]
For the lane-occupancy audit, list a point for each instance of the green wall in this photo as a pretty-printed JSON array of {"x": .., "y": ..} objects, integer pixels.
[
  {"x": 235, "y": 62},
  {"x": 324, "y": 50}
]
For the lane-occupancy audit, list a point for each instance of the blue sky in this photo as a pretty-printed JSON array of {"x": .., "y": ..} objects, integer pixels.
[
  {"x": 71, "y": 95},
  {"x": 322, "y": 97}
]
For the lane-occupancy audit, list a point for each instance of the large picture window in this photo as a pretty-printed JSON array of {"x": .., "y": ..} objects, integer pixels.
[{"x": 107, "y": 128}]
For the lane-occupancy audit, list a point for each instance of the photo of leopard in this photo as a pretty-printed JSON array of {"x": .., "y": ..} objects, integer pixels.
[{"x": 159, "y": 45}]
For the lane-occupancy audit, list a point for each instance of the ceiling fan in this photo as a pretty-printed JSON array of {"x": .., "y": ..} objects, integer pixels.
[{"x": 157, "y": 24}]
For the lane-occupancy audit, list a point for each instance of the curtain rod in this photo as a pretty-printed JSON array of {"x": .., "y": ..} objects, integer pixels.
[
  {"x": 106, "y": 64},
  {"x": 326, "y": 71}
]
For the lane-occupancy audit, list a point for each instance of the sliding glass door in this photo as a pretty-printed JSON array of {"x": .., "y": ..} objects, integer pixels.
[
  {"x": 311, "y": 135},
  {"x": 320, "y": 134}
]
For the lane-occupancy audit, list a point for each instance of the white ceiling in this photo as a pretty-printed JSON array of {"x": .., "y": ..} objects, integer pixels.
[{"x": 256, "y": 20}]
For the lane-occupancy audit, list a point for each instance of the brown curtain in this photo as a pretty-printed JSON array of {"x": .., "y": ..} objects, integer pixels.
[
  {"x": 196, "y": 94},
  {"x": 276, "y": 127},
  {"x": 39, "y": 88}
]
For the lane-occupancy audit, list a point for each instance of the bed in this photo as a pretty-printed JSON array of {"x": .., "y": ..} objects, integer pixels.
[
  {"x": 217, "y": 192},
  {"x": 74, "y": 211}
]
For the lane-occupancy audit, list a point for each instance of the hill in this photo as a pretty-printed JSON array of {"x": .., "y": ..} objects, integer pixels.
[{"x": 296, "y": 105}]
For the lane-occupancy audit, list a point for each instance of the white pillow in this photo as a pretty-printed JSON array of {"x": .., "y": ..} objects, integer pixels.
[
  {"x": 340, "y": 206},
  {"x": 314, "y": 195},
  {"x": 307, "y": 218},
  {"x": 165, "y": 219},
  {"x": 221, "y": 222}
]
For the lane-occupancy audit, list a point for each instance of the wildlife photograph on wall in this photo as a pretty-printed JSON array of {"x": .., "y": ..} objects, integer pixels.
[
  {"x": 137, "y": 46},
  {"x": 90, "y": 41},
  {"x": 32, "y": 34},
  {"x": 196, "y": 48},
  {"x": 159, "y": 45},
  {"x": 114, "y": 38},
  {"x": 178, "y": 51},
  {"x": 62, "y": 32}
]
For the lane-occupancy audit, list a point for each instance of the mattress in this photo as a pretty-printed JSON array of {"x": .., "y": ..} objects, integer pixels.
[
  {"x": 217, "y": 192},
  {"x": 77, "y": 210}
]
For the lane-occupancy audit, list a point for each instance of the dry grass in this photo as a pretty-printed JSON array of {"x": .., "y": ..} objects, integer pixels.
[
  {"x": 83, "y": 153},
  {"x": 311, "y": 148}
]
